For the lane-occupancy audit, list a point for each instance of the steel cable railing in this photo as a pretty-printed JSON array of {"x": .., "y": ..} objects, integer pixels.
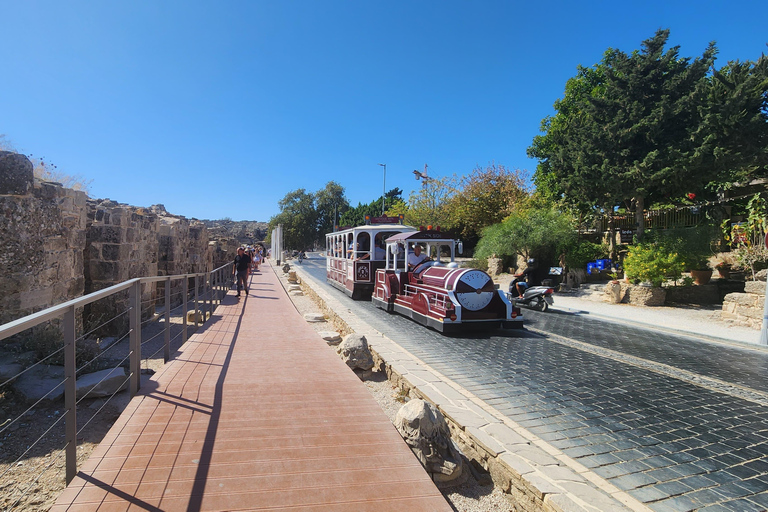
[
  {"x": 46, "y": 358},
  {"x": 200, "y": 292}
]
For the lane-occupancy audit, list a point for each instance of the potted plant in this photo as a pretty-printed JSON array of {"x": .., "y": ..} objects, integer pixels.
[{"x": 723, "y": 262}]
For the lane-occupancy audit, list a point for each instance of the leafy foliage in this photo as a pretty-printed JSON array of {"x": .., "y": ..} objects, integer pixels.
[
  {"x": 652, "y": 126},
  {"x": 531, "y": 232},
  {"x": 653, "y": 263},
  {"x": 356, "y": 216},
  {"x": 485, "y": 197}
]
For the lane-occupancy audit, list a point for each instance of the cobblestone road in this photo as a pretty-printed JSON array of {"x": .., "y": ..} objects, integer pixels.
[{"x": 667, "y": 441}]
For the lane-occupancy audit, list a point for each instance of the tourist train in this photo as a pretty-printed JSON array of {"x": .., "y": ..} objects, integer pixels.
[{"x": 371, "y": 262}]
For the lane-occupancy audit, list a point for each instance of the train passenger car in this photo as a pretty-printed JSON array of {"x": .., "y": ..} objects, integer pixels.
[
  {"x": 353, "y": 255},
  {"x": 437, "y": 293}
]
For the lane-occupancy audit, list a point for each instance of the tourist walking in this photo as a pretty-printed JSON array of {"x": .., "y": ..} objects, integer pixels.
[{"x": 240, "y": 270}]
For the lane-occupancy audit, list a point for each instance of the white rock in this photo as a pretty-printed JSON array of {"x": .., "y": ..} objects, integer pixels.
[
  {"x": 314, "y": 317},
  {"x": 38, "y": 381},
  {"x": 296, "y": 293},
  {"x": 355, "y": 352},
  {"x": 425, "y": 430},
  {"x": 294, "y": 287},
  {"x": 330, "y": 335},
  {"x": 101, "y": 383}
]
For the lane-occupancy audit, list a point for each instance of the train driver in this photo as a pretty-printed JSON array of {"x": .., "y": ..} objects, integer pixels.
[{"x": 416, "y": 258}]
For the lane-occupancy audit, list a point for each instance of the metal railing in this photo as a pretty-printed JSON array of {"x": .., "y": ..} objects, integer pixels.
[
  {"x": 208, "y": 290},
  {"x": 652, "y": 219}
]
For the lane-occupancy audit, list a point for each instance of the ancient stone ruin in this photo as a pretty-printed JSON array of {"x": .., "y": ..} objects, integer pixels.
[
  {"x": 56, "y": 245},
  {"x": 355, "y": 352},
  {"x": 425, "y": 430}
]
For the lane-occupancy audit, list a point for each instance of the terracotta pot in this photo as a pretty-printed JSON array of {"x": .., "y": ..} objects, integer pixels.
[
  {"x": 701, "y": 276},
  {"x": 725, "y": 272}
]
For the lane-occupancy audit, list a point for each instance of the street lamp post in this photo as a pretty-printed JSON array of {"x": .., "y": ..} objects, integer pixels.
[{"x": 384, "y": 189}]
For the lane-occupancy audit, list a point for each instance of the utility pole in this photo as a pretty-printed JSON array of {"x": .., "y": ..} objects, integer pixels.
[{"x": 384, "y": 190}]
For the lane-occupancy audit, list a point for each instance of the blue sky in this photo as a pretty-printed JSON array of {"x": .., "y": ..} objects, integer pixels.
[{"x": 220, "y": 108}]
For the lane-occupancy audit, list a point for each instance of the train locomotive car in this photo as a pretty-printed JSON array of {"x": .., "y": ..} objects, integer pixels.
[
  {"x": 353, "y": 255},
  {"x": 438, "y": 293}
]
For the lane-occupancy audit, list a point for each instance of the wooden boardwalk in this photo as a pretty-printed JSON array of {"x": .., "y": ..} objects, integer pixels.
[{"x": 255, "y": 413}]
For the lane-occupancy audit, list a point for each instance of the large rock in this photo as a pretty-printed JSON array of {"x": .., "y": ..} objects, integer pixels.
[
  {"x": 424, "y": 429},
  {"x": 40, "y": 382},
  {"x": 646, "y": 295},
  {"x": 314, "y": 317},
  {"x": 102, "y": 383},
  {"x": 16, "y": 176},
  {"x": 355, "y": 352}
]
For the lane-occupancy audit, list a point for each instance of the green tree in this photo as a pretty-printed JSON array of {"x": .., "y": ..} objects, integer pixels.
[
  {"x": 299, "y": 219},
  {"x": 629, "y": 132},
  {"x": 356, "y": 216},
  {"x": 427, "y": 205},
  {"x": 330, "y": 205},
  {"x": 485, "y": 197},
  {"x": 530, "y": 233},
  {"x": 734, "y": 128}
]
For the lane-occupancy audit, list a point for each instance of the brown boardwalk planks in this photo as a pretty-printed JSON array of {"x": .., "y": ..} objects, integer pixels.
[{"x": 255, "y": 413}]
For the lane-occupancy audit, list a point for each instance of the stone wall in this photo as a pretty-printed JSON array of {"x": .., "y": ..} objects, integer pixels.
[
  {"x": 42, "y": 239},
  {"x": 746, "y": 308},
  {"x": 56, "y": 245},
  {"x": 121, "y": 244}
]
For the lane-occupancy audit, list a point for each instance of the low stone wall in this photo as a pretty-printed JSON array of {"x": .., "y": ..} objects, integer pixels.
[{"x": 746, "y": 308}]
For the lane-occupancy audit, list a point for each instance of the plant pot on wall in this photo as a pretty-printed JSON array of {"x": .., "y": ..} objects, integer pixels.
[
  {"x": 724, "y": 271},
  {"x": 701, "y": 276}
]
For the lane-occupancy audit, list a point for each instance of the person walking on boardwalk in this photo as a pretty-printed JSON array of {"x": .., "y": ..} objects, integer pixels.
[{"x": 240, "y": 269}]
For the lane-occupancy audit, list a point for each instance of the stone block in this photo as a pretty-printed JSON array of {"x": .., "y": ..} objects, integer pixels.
[
  {"x": 756, "y": 287},
  {"x": 505, "y": 434},
  {"x": 106, "y": 234},
  {"x": 36, "y": 299},
  {"x": 39, "y": 382},
  {"x": 646, "y": 295},
  {"x": 110, "y": 252},
  {"x": 101, "y": 383},
  {"x": 16, "y": 176}
]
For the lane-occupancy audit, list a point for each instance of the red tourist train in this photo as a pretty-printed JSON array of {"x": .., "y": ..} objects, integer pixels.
[{"x": 436, "y": 293}]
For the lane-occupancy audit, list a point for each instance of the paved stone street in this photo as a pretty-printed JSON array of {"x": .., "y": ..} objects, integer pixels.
[{"x": 670, "y": 440}]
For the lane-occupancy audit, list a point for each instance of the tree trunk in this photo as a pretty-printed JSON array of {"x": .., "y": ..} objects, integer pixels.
[
  {"x": 640, "y": 217},
  {"x": 611, "y": 235}
]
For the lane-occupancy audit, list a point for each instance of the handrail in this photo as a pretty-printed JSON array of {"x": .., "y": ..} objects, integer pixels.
[
  {"x": 23, "y": 323},
  {"x": 214, "y": 286}
]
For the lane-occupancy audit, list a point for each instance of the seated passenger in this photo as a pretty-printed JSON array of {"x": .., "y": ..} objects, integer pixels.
[
  {"x": 416, "y": 258},
  {"x": 379, "y": 254}
]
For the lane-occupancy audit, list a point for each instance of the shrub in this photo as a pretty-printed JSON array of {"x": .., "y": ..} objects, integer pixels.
[
  {"x": 653, "y": 263},
  {"x": 582, "y": 252}
]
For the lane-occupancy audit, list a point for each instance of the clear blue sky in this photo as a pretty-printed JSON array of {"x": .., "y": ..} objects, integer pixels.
[{"x": 220, "y": 108}]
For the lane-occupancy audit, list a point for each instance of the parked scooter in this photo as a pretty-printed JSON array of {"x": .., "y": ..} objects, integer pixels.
[{"x": 536, "y": 297}]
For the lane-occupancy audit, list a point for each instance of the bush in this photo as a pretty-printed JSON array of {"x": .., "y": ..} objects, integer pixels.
[
  {"x": 693, "y": 245},
  {"x": 653, "y": 262},
  {"x": 582, "y": 252},
  {"x": 478, "y": 263}
]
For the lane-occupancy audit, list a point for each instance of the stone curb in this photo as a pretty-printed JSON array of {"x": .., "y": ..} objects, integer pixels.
[{"x": 536, "y": 474}]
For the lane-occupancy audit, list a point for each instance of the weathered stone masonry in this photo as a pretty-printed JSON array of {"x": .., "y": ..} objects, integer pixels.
[{"x": 56, "y": 245}]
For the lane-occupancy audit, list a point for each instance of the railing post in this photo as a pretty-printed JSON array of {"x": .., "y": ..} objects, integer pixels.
[
  {"x": 185, "y": 294},
  {"x": 70, "y": 393},
  {"x": 167, "y": 352},
  {"x": 208, "y": 295},
  {"x": 135, "y": 340},
  {"x": 197, "y": 299}
]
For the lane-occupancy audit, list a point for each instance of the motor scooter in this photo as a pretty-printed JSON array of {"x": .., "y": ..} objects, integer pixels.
[{"x": 536, "y": 297}]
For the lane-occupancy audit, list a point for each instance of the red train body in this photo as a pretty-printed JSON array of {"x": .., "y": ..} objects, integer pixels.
[{"x": 437, "y": 293}]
